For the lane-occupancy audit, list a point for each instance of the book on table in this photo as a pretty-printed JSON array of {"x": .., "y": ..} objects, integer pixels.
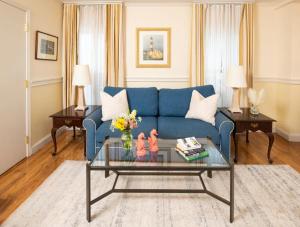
[{"x": 190, "y": 149}]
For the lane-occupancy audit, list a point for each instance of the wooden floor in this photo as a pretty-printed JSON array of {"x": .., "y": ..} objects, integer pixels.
[{"x": 17, "y": 184}]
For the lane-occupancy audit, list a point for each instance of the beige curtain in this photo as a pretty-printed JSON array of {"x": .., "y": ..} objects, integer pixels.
[
  {"x": 114, "y": 46},
  {"x": 246, "y": 48},
  {"x": 197, "y": 46},
  {"x": 70, "y": 31}
]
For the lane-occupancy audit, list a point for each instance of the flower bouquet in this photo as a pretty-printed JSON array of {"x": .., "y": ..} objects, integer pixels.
[{"x": 125, "y": 123}]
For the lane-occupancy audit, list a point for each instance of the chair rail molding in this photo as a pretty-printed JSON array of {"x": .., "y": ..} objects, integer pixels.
[
  {"x": 277, "y": 79},
  {"x": 46, "y": 81}
]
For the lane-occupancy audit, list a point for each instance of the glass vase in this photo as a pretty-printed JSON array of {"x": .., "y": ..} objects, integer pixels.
[
  {"x": 254, "y": 109},
  {"x": 127, "y": 140}
]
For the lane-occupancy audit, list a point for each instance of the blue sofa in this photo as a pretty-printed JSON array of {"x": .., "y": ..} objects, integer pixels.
[{"x": 164, "y": 110}]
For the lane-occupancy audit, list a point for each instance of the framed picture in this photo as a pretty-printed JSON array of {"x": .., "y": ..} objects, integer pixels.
[
  {"x": 46, "y": 46},
  {"x": 153, "y": 48}
]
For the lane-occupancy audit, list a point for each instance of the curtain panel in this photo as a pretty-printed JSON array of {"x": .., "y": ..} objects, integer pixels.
[
  {"x": 91, "y": 48},
  {"x": 70, "y": 31},
  {"x": 246, "y": 49},
  {"x": 114, "y": 44},
  {"x": 93, "y": 35},
  {"x": 221, "y": 40},
  {"x": 197, "y": 45}
]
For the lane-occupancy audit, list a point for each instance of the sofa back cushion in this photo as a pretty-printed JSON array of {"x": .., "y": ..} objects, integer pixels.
[
  {"x": 176, "y": 102},
  {"x": 144, "y": 100}
]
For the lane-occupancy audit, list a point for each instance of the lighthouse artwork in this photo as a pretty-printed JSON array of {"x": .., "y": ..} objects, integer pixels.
[
  {"x": 153, "y": 47},
  {"x": 154, "y": 51}
]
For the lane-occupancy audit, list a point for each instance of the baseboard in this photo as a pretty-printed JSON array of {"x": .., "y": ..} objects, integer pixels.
[
  {"x": 42, "y": 142},
  {"x": 292, "y": 137}
]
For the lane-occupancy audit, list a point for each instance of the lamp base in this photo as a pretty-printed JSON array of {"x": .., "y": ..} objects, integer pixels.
[
  {"x": 81, "y": 100},
  {"x": 235, "y": 106},
  {"x": 81, "y": 108}
]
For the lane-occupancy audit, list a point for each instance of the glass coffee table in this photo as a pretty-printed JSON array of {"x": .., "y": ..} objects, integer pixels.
[{"x": 112, "y": 158}]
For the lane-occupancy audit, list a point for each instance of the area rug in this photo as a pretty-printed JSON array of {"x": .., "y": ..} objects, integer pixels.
[{"x": 264, "y": 196}]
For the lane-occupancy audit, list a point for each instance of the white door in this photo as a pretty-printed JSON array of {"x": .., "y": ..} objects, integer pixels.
[{"x": 12, "y": 86}]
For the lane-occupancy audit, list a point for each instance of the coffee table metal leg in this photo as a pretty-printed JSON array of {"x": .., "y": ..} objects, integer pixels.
[
  {"x": 231, "y": 193},
  {"x": 88, "y": 193},
  {"x": 106, "y": 160},
  {"x": 209, "y": 173}
]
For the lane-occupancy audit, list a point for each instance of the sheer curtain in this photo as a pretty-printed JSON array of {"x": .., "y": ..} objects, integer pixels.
[
  {"x": 222, "y": 26},
  {"x": 91, "y": 48}
]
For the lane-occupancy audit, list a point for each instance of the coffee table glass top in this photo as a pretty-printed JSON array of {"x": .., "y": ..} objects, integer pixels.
[{"x": 166, "y": 156}]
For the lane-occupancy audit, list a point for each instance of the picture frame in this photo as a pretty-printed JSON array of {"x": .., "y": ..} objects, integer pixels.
[
  {"x": 46, "y": 46},
  {"x": 153, "y": 49}
]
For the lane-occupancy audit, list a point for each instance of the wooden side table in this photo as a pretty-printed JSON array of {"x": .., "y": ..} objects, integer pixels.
[
  {"x": 245, "y": 122},
  {"x": 71, "y": 118}
]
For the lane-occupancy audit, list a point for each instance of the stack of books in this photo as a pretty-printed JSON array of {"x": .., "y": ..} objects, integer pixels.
[{"x": 190, "y": 149}]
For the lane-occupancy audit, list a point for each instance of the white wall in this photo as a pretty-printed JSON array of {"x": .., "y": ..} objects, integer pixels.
[
  {"x": 177, "y": 16},
  {"x": 276, "y": 63}
]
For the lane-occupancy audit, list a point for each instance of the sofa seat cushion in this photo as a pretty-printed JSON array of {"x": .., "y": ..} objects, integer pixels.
[
  {"x": 176, "y": 102},
  {"x": 144, "y": 100},
  {"x": 180, "y": 127},
  {"x": 147, "y": 124}
]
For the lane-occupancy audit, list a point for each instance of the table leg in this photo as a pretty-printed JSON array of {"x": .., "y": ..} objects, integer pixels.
[
  {"x": 232, "y": 193},
  {"x": 106, "y": 160},
  {"x": 209, "y": 173},
  {"x": 84, "y": 140},
  {"x": 235, "y": 140},
  {"x": 88, "y": 193},
  {"x": 53, "y": 134},
  {"x": 271, "y": 140},
  {"x": 74, "y": 131},
  {"x": 247, "y": 136}
]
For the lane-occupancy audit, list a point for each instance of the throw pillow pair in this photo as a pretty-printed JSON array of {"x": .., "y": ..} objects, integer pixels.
[{"x": 200, "y": 107}]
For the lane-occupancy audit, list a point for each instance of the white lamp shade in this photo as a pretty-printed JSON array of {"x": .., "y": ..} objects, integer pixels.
[
  {"x": 236, "y": 77},
  {"x": 81, "y": 75}
]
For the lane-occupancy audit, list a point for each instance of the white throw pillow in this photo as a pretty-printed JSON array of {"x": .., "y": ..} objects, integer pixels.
[
  {"x": 113, "y": 107},
  {"x": 203, "y": 108}
]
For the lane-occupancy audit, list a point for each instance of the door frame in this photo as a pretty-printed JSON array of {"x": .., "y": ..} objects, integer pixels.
[{"x": 27, "y": 83}]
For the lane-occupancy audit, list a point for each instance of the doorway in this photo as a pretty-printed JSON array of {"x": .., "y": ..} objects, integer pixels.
[{"x": 14, "y": 89}]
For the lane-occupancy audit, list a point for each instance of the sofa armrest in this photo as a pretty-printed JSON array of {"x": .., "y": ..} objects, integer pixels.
[
  {"x": 225, "y": 127},
  {"x": 91, "y": 124}
]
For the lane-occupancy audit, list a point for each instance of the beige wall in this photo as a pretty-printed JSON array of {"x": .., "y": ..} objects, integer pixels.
[
  {"x": 177, "y": 16},
  {"x": 277, "y": 61},
  {"x": 45, "y": 16}
]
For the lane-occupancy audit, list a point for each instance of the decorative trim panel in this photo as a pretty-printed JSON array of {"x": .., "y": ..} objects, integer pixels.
[{"x": 157, "y": 79}]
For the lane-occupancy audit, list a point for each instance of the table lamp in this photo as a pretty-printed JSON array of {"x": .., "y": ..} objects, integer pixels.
[
  {"x": 81, "y": 78},
  {"x": 236, "y": 79}
]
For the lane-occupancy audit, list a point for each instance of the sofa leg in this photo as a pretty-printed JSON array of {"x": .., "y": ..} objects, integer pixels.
[{"x": 209, "y": 173}]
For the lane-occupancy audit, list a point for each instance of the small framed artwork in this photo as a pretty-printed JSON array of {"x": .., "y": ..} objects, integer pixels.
[
  {"x": 153, "y": 48},
  {"x": 46, "y": 46}
]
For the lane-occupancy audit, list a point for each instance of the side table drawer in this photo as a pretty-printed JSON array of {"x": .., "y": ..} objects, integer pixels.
[
  {"x": 59, "y": 122},
  {"x": 254, "y": 126}
]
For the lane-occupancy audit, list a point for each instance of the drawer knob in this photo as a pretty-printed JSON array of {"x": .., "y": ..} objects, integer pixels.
[
  {"x": 68, "y": 121},
  {"x": 254, "y": 125}
]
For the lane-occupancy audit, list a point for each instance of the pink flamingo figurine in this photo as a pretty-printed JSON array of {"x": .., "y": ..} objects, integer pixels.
[
  {"x": 152, "y": 140},
  {"x": 140, "y": 145}
]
